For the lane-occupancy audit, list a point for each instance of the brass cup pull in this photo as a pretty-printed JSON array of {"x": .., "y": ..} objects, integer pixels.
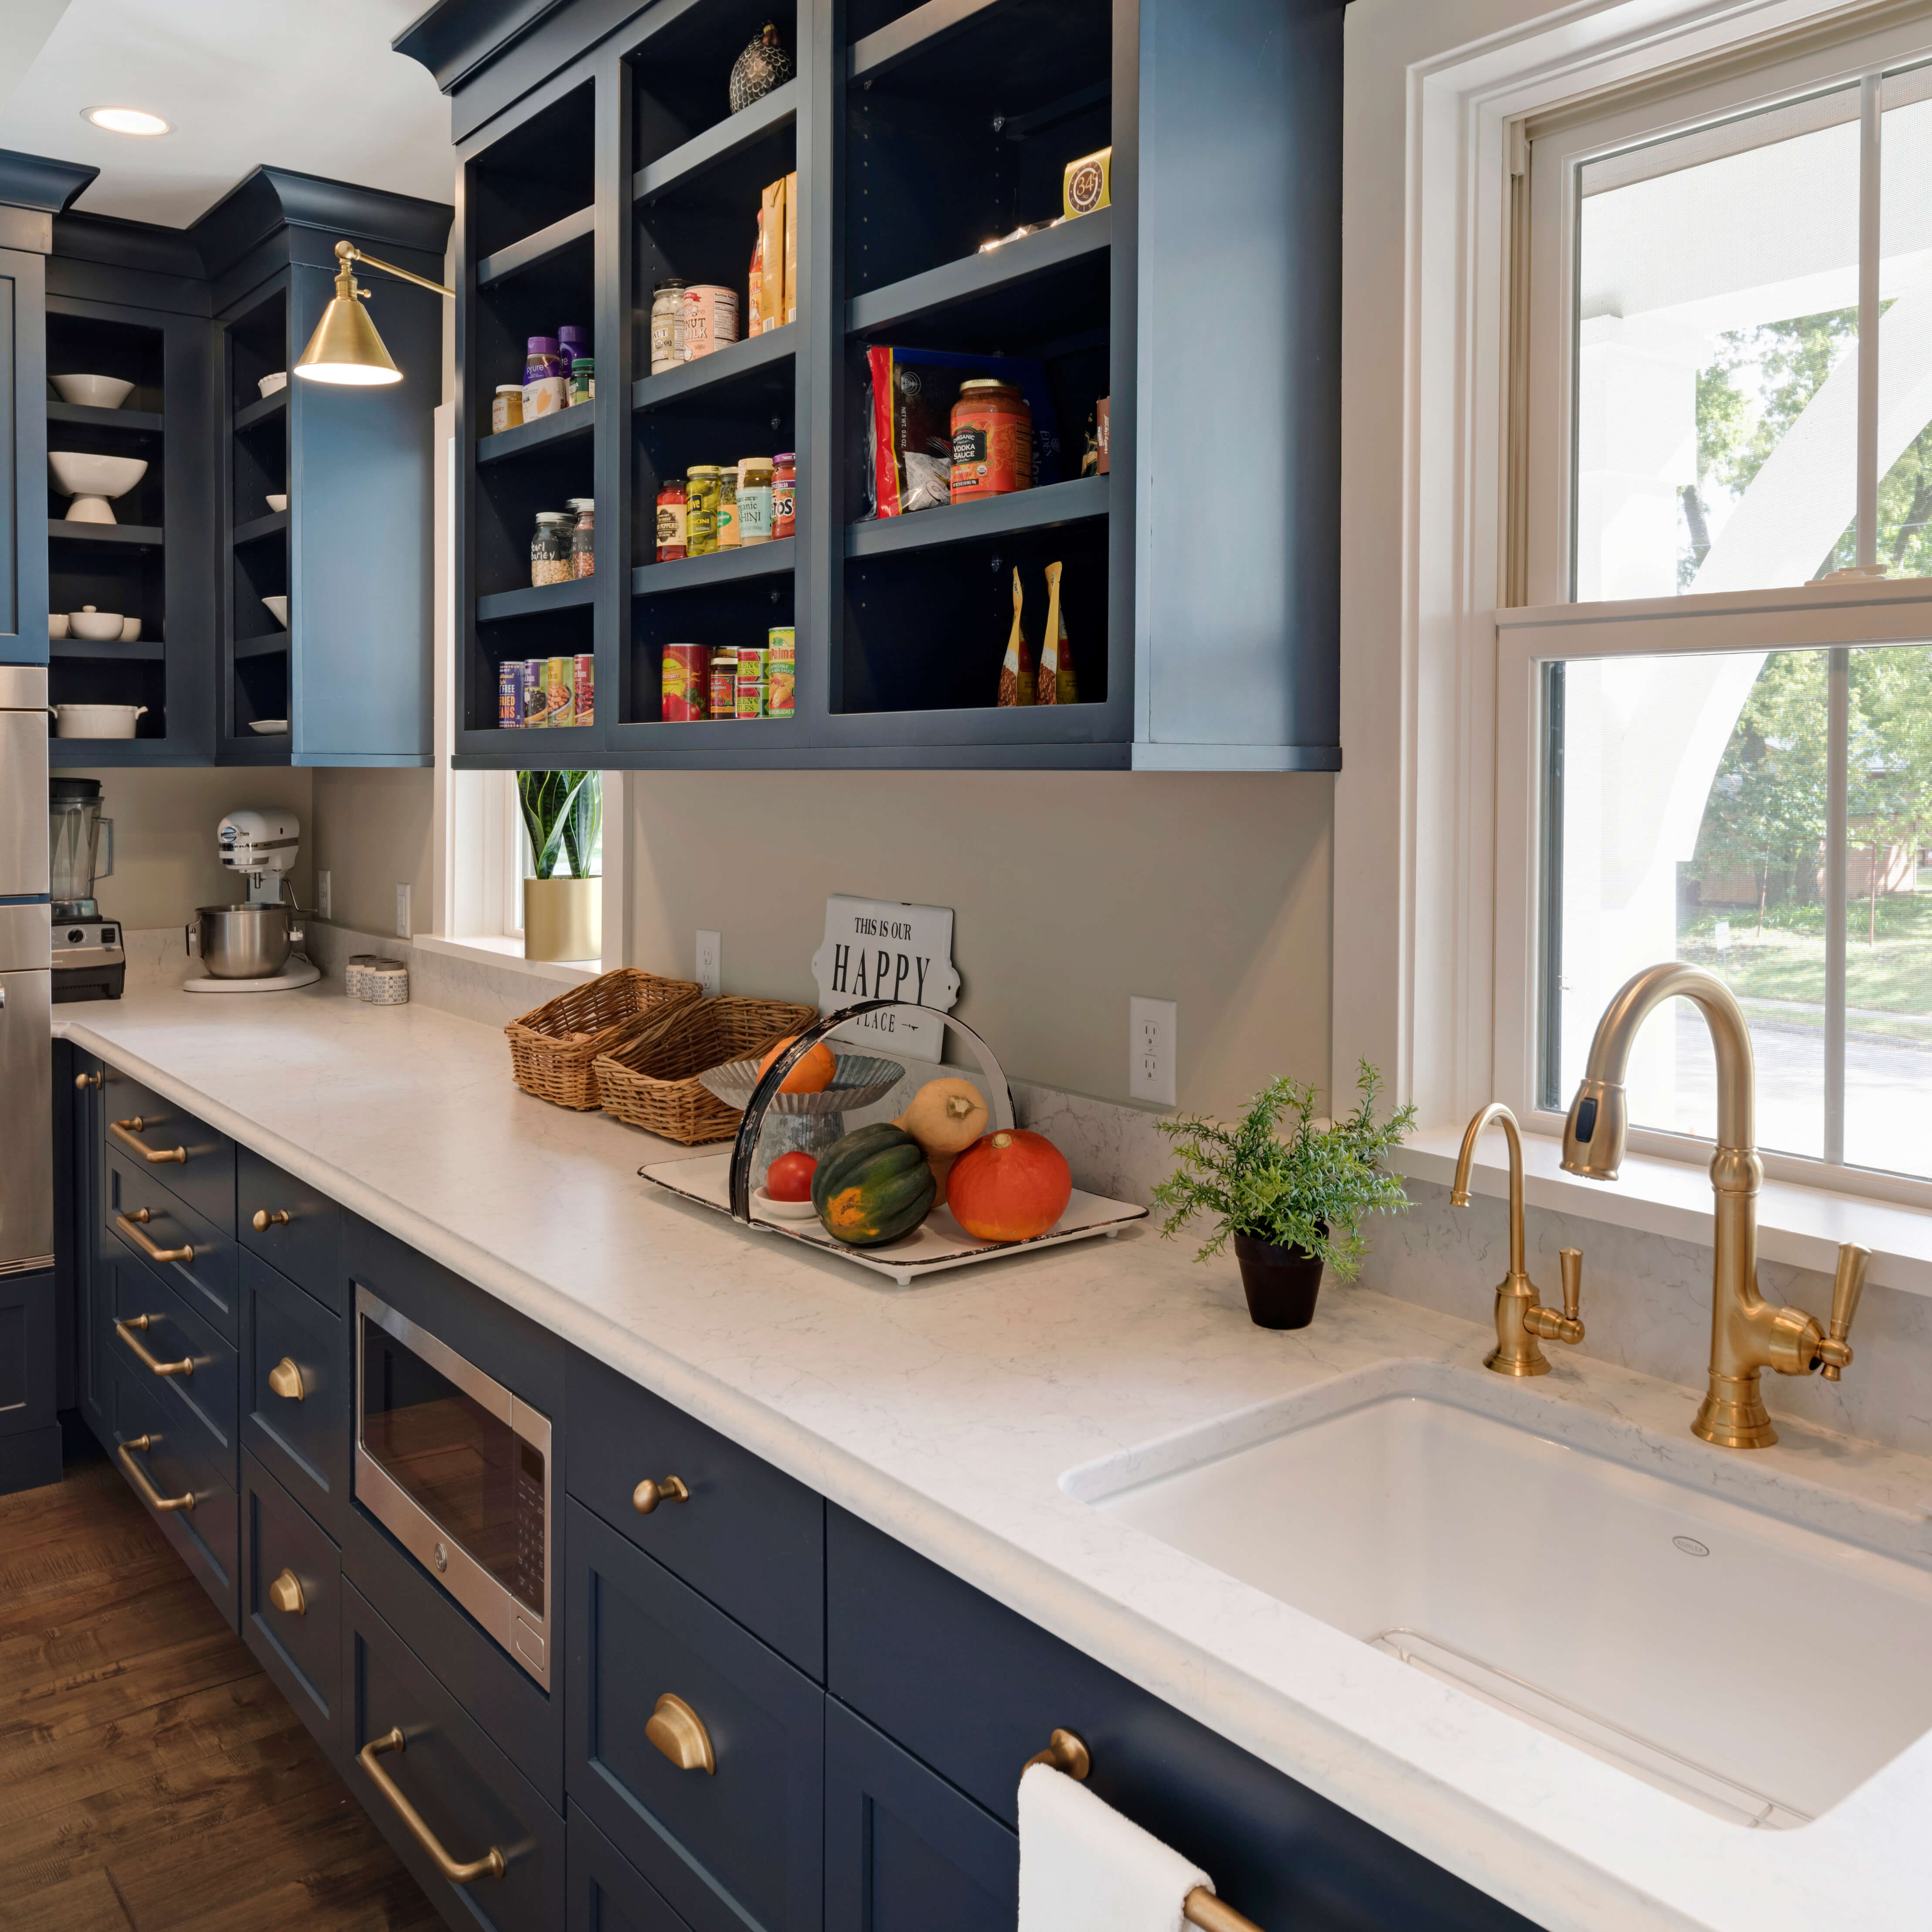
[
  {"x": 679, "y": 1732},
  {"x": 124, "y": 1131},
  {"x": 648, "y": 1495},
  {"x": 131, "y": 1225},
  {"x": 84, "y": 1081},
  {"x": 125, "y": 1330},
  {"x": 139, "y": 1445},
  {"x": 1065, "y": 1752},
  {"x": 285, "y": 1379},
  {"x": 491, "y": 1865},
  {"x": 266, "y": 1218},
  {"x": 285, "y": 1593}
]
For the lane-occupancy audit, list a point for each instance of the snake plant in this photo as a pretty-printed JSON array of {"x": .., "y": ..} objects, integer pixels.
[{"x": 563, "y": 812}]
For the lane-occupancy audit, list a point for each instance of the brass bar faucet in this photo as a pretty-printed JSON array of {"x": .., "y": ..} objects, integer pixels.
[
  {"x": 1748, "y": 1334},
  {"x": 1521, "y": 1317}
]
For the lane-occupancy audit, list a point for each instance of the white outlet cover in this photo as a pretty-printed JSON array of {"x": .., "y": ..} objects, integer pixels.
[
  {"x": 324, "y": 894},
  {"x": 402, "y": 927},
  {"x": 710, "y": 956},
  {"x": 1152, "y": 1028}
]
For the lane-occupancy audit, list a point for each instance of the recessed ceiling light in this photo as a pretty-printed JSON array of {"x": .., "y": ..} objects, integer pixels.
[{"x": 125, "y": 120}]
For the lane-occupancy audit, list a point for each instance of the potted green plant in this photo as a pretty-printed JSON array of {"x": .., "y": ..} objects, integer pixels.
[
  {"x": 1294, "y": 1202},
  {"x": 563, "y": 912}
]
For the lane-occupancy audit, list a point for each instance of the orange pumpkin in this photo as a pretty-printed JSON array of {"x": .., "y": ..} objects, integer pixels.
[
  {"x": 1010, "y": 1186},
  {"x": 812, "y": 1075}
]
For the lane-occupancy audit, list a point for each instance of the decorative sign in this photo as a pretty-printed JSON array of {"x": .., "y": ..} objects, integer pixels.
[{"x": 879, "y": 949}]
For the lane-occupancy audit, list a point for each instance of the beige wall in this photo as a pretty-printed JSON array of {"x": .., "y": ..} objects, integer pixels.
[
  {"x": 164, "y": 820},
  {"x": 1072, "y": 891},
  {"x": 373, "y": 834}
]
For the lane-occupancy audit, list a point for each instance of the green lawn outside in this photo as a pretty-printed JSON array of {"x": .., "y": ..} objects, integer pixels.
[{"x": 1893, "y": 977}]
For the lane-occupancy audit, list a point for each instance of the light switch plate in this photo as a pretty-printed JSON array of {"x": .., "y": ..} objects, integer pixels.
[
  {"x": 710, "y": 956},
  {"x": 324, "y": 895},
  {"x": 1151, "y": 1027},
  {"x": 403, "y": 928}
]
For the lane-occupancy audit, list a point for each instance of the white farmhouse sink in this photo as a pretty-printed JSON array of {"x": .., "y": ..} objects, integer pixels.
[{"x": 1738, "y": 1658}]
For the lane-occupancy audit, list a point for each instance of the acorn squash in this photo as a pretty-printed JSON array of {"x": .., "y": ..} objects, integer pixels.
[{"x": 873, "y": 1186}]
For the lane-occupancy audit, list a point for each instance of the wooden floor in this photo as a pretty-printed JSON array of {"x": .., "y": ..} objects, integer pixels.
[{"x": 150, "y": 1777}]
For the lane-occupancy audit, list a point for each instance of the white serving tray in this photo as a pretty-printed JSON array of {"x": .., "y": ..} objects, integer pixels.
[{"x": 939, "y": 1242}]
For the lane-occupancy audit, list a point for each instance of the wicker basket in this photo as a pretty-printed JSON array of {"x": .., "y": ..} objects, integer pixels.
[
  {"x": 553, "y": 1051},
  {"x": 651, "y": 1080}
]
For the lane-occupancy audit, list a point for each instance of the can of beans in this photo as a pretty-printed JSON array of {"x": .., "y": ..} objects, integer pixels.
[
  {"x": 686, "y": 683},
  {"x": 534, "y": 712},
  {"x": 724, "y": 684},
  {"x": 559, "y": 705},
  {"x": 510, "y": 697},
  {"x": 710, "y": 318},
  {"x": 584, "y": 687},
  {"x": 752, "y": 660},
  {"x": 671, "y": 522},
  {"x": 780, "y": 671},
  {"x": 992, "y": 440}
]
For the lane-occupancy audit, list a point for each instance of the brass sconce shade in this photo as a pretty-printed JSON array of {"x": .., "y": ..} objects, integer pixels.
[{"x": 345, "y": 347}]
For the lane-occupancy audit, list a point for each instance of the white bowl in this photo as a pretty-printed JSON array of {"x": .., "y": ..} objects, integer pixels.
[
  {"x": 278, "y": 500},
  {"x": 93, "y": 392},
  {"x": 279, "y": 605},
  {"x": 269, "y": 727},
  {"x": 268, "y": 385},
  {"x": 96, "y": 627},
  {"x": 130, "y": 630},
  {"x": 91, "y": 480},
  {"x": 775, "y": 1209},
  {"x": 96, "y": 721},
  {"x": 56, "y": 624}
]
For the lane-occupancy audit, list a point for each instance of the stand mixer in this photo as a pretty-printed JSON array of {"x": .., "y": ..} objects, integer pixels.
[{"x": 245, "y": 948}]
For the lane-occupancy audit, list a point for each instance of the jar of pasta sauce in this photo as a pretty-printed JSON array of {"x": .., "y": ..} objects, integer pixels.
[
  {"x": 992, "y": 440},
  {"x": 671, "y": 522},
  {"x": 784, "y": 494}
]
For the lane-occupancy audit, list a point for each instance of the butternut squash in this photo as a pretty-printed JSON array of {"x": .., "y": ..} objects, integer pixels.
[{"x": 946, "y": 1116}]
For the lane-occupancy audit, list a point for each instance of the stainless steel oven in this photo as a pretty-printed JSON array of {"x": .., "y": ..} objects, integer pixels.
[{"x": 458, "y": 1467}]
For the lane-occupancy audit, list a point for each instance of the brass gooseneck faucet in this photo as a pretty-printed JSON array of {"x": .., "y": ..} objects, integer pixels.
[
  {"x": 1748, "y": 1334},
  {"x": 1521, "y": 1317}
]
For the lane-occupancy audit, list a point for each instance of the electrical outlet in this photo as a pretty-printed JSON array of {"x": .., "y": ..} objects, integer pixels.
[
  {"x": 324, "y": 896},
  {"x": 402, "y": 927},
  {"x": 710, "y": 954},
  {"x": 1151, "y": 1026}
]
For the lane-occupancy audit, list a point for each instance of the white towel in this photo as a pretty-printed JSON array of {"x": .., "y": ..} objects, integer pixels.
[{"x": 1084, "y": 1868}]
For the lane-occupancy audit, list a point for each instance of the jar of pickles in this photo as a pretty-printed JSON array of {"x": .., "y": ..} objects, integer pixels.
[
  {"x": 667, "y": 325},
  {"x": 584, "y": 537},
  {"x": 550, "y": 548},
  {"x": 700, "y": 509}
]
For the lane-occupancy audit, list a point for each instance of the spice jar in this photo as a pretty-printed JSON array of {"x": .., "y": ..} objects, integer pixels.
[
  {"x": 784, "y": 494},
  {"x": 584, "y": 537},
  {"x": 992, "y": 440},
  {"x": 724, "y": 683},
  {"x": 550, "y": 548},
  {"x": 582, "y": 387},
  {"x": 670, "y": 523},
  {"x": 667, "y": 325},
  {"x": 506, "y": 408},
  {"x": 754, "y": 500},
  {"x": 700, "y": 509},
  {"x": 728, "y": 531},
  {"x": 543, "y": 378}
]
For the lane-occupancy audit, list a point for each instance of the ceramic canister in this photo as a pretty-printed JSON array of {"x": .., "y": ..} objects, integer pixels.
[
  {"x": 354, "y": 972},
  {"x": 385, "y": 982}
]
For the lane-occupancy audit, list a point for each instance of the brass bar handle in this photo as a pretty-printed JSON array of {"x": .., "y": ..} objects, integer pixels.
[
  {"x": 491, "y": 1865},
  {"x": 131, "y": 1225},
  {"x": 124, "y": 1131},
  {"x": 1202, "y": 1908},
  {"x": 678, "y": 1732},
  {"x": 1834, "y": 1352},
  {"x": 125, "y": 1330},
  {"x": 646, "y": 1497},
  {"x": 82, "y": 1081},
  {"x": 285, "y": 1593},
  {"x": 285, "y": 1379},
  {"x": 266, "y": 1218},
  {"x": 125, "y": 1453}
]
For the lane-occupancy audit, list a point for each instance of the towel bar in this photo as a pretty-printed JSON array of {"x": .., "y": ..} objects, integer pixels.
[{"x": 1068, "y": 1753}]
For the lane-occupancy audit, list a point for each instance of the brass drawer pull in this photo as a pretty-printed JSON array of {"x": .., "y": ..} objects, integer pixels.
[
  {"x": 84, "y": 1081},
  {"x": 125, "y": 1330},
  {"x": 124, "y": 1131},
  {"x": 491, "y": 1865},
  {"x": 285, "y": 1593},
  {"x": 648, "y": 1495},
  {"x": 285, "y": 1379},
  {"x": 679, "y": 1732},
  {"x": 266, "y": 1218},
  {"x": 131, "y": 1225},
  {"x": 1067, "y": 1752},
  {"x": 152, "y": 1497}
]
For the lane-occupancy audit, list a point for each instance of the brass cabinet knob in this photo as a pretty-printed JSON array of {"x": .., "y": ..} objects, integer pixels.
[
  {"x": 648, "y": 1495},
  {"x": 286, "y": 1593},
  {"x": 679, "y": 1732},
  {"x": 266, "y": 1218},
  {"x": 1065, "y": 1751},
  {"x": 84, "y": 1081},
  {"x": 285, "y": 1379}
]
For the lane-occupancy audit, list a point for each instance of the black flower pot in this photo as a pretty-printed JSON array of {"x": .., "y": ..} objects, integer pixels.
[{"x": 1282, "y": 1283}]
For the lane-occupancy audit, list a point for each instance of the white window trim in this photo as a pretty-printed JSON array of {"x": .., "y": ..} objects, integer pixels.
[{"x": 1421, "y": 971}]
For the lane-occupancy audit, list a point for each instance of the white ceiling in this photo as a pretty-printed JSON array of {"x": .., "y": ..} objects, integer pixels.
[{"x": 310, "y": 87}]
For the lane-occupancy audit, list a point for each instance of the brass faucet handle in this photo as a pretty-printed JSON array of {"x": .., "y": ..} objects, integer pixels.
[
  {"x": 1546, "y": 1322},
  {"x": 1571, "y": 1260},
  {"x": 1834, "y": 1352}
]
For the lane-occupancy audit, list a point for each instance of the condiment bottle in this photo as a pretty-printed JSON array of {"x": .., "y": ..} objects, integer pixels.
[
  {"x": 584, "y": 537},
  {"x": 543, "y": 378},
  {"x": 670, "y": 523},
  {"x": 992, "y": 440},
  {"x": 506, "y": 408},
  {"x": 728, "y": 529},
  {"x": 724, "y": 683},
  {"x": 700, "y": 509},
  {"x": 755, "y": 500},
  {"x": 571, "y": 343},
  {"x": 550, "y": 548},
  {"x": 784, "y": 494},
  {"x": 667, "y": 325},
  {"x": 582, "y": 381}
]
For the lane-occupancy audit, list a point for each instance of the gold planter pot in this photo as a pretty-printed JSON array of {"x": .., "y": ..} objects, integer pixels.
[{"x": 563, "y": 919}]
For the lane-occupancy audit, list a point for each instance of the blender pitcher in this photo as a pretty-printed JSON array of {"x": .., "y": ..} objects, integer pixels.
[{"x": 74, "y": 829}]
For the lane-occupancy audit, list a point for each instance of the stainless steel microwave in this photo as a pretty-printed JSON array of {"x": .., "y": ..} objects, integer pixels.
[{"x": 457, "y": 1469}]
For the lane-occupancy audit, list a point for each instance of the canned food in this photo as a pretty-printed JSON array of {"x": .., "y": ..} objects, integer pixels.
[
  {"x": 559, "y": 704},
  {"x": 534, "y": 714},
  {"x": 710, "y": 318},
  {"x": 752, "y": 662},
  {"x": 671, "y": 522},
  {"x": 700, "y": 509},
  {"x": 686, "y": 680},
  {"x": 510, "y": 697},
  {"x": 992, "y": 440},
  {"x": 724, "y": 684},
  {"x": 781, "y": 671},
  {"x": 583, "y": 687}
]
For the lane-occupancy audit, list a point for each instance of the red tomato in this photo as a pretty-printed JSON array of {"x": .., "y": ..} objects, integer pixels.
[{"x": 790, "y": 1177}]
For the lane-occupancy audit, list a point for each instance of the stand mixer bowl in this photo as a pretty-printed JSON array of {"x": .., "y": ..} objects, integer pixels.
[{"x": 245, "y": 942}]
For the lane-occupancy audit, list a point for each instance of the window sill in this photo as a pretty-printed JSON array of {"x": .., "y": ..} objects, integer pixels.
[
  {"x": 1799, "y": 1226},
  {"x": 490, "y": 950}
]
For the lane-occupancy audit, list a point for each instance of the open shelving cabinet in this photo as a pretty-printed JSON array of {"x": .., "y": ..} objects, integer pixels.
[{"x": 1199, "y": 576}]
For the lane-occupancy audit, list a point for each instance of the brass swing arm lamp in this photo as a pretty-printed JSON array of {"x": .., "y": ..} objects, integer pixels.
[{"x": 345, "y": 347}]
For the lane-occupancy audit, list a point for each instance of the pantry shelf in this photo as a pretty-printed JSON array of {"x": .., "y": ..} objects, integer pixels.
[
  {"x": 256, "y": 413},
  {"x": 768, "y": 355},
  {"x": 148, "y": 650},
  {"x": 1052, "y": 503},
  {"x": 777, "y": 110},
  {"x": 271, "y": 525},
  {"x": 81, "y": 416},
  {"x": 546, "y": 430},
  {"x": 775, "y": 558},
  {"x": 535, "y": 598},
  {"x": 920, "y": 31},
  {"x": 535, "y": 250},
  {"x": 270, "y": 644},
  {"x": 142, "y": 536}
]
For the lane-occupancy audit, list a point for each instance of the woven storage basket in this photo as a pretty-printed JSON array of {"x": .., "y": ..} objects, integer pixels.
[
  {"x": 651, "y": 1080},
  {"x": 603, "y": 1013}
]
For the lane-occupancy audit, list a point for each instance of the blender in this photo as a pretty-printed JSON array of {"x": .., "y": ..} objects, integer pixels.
[{"x": 89, "y": 963}]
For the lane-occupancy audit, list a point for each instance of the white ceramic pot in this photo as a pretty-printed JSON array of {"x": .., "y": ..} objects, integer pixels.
[
  {"x": 278, "y": 500},
  {"x": 280, "y": 606},
  {"x": 95, "y": 627},
  {"x": 91, "y": 480},
  {"x": 56, "y": 624},
  {"x": 93, "y": 392},
  {"x": 130, "y": 630},
  {"x": 268, "y": 385},
  {"x": 96, "y": 721}
]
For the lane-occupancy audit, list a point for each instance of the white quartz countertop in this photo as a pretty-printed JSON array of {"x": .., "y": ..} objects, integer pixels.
[{"x": 946, "y": 1413}]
